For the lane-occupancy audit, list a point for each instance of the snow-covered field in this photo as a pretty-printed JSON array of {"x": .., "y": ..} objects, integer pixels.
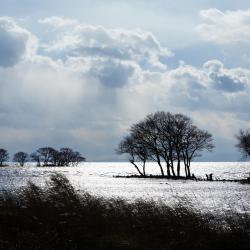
[{"x": 98, "y": 179}]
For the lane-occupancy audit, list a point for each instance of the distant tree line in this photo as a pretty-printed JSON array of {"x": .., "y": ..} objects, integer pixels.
[
  {"x": 45, "y": 156},
  {"x": 167, "y": 139}
]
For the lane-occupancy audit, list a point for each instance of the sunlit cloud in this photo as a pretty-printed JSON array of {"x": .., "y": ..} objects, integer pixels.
[{"x": 225, "y": 27}]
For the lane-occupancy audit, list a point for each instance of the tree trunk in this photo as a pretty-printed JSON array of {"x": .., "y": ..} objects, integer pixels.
[
  {"x": 188, "y": 167},
  {"x": 178, "y": 166},
  {"x": 172, "y": 169},
  {"x": 144, "y": 165},
  {"x": 168, "y": 168},
  {"x": 159, "y": 163},
  {"x": 186, "y": 171},
  {"x": 137, "y": 168},
  {"x": 172, "y": 165},
  {"x": 185, "y": 164}
]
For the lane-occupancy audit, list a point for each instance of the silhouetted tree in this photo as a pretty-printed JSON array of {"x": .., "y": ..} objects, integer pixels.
[
  {"x": 146, "y": 136},
  {"x": 47, "y": 155},
  {"x": 66, "y": 156},
  {"x": 51, "y": 157},
  {"x": 194, "y": 142},
  {"x": 243, "y": 144},
  {"x": 4, "y": 156},
  {"x": 136, "y": 151},
  {"x": 21, "y": 158},
  {"x": 36, "y": 157},
  {"x": 163, "y": 124},
  {"x": 77, "y": 158},
  {"x": 167, "y": 137}
]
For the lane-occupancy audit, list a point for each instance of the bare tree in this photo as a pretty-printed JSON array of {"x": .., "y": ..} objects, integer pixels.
[
  {"x": 21, "y": 158},
  {"x": 66, "y": 156},
  {"x": 243, "y": 144},
  {"x": 4, "y": 156},
  {"x": 146, "y": 134},
  {"x": 128, "y": 146},
  {"x": 194, "y": 142},
  {"x": 77, "y": 158},
  {"x": 47, "y": 155},
  {"x": 163, "y": 129},
  {"x": 36, "y": 157},
  {"x": 51, "y": 157},
  {"x": 167, "y": 137},
  {"x": 181, "y": 124}
]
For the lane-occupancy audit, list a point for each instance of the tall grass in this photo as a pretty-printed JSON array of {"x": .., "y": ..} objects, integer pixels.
[{"x": 58, "y": 217}]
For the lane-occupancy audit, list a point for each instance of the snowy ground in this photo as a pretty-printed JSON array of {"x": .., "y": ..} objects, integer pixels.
[{"x": 98, "y": 179}]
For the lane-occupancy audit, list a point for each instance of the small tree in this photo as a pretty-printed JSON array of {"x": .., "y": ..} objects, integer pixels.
[
  {"x": 4, "y": 156},
  {"x": 47, "y": 155},
  {"x": 21, "y": 158},
  {"x": 129, "y": 146},
  {"x": 37, "y": 158},
  {"x": 194, "y": 142},
  {"x": 77, "y": 158},
  {"x": 243, "y": 144},
  {"x": 146, "y": 135},
  {"x": 66, "y": 156},
  {"x": 51, "y": 157}
]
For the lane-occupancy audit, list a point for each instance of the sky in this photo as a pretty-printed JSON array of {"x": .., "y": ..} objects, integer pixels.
[{"x": 80, "y": 73}]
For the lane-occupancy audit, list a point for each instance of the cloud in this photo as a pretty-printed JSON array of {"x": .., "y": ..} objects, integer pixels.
[
  {"x": 87, "y": 96},
  {"x": 227, "y": 80},
  {"x": 225, "y": 27},
  {"x": 58, "y": 22},
  {"x": 112, "y": 56},
  {"x": 212, "y": 87},
  {"x": 113, "y": 73},
  {"x": 16, "y": 43},
  {"x": 120, "y": 44}
]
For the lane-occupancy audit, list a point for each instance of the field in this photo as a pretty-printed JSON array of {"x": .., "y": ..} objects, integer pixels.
[{"x": 98, "y": 179}]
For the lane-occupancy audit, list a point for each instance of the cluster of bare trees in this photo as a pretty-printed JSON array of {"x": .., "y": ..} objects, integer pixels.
[
  {"x": 167, "y": 139},
  {"x": 46, "y": 156}
]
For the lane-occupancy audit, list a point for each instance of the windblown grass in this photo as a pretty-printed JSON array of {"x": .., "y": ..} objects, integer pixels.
[{"x": 59, "y": 217}]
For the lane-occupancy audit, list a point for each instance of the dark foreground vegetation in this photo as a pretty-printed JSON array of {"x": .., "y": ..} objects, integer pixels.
[{"x": 58, "y": 217}]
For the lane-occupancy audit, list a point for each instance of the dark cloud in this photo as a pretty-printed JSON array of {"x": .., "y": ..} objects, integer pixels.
[
  {"x": 225, "y": 79},
  {"x": 227, "y": 83},
  {"x": 14, "y": 42},
  {"x": 113, "y": 74}
]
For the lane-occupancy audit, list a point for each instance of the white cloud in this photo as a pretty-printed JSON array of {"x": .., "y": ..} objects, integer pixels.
[
  {"x": 227, "y": 80},
  {"x": 99, "y": 42},
  {"x": 225, "y": 27},
  {"x": 58, "y": 22},
  {"x": 213, "y": 87}
]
